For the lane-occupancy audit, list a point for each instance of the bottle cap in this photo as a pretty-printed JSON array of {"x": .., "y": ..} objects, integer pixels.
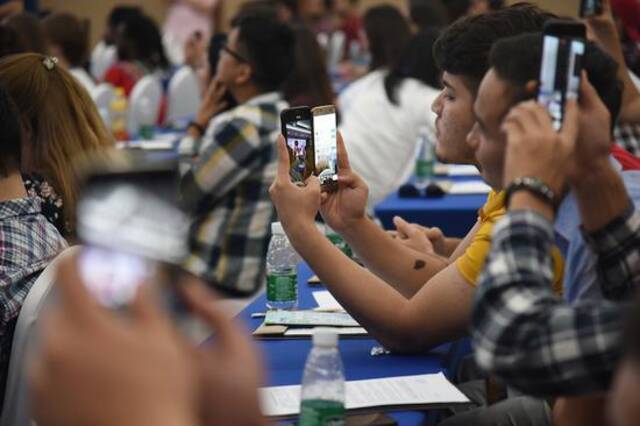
[
  {"x": 277, "y": 229},
  {"x": 325, "y": 337}
]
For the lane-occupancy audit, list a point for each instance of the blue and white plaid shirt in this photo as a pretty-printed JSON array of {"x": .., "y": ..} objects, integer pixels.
[
  {"x": 28, "y": 242},
  {"x": 532, "y": 339}
]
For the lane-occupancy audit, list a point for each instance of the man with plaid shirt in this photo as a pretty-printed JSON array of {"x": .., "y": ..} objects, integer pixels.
[
  {"x": 28, "y": 241},
  {"x": 226, "y": 184},
  {"x": 522, "y": 332}
]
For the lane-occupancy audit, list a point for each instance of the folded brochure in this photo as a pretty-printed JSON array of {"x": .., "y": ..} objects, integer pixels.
[{"x": 310, "y": 318}]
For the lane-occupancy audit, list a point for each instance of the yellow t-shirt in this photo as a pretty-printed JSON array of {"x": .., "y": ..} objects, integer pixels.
[{"x": 471, "y": 263}]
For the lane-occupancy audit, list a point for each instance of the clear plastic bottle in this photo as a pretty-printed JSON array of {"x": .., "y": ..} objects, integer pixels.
[
  {"x": 282, "y": 275},
  {"x": 323, "y": 390},
  {"x": 118, "y": 115},
  {"x": 425, "y": 158},
  {"x": 338, "y": 241}
]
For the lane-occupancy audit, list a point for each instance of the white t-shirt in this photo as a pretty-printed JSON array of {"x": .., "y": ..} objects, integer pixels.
[{"x": 381, "y": 137}]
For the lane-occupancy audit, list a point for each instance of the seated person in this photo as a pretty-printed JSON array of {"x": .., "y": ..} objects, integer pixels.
[
  {"x": 384, "y": 120},
  {"x": 140, "y": 52},
  {"x": 61, "y": 122},
  {"x": 68, "y": 40},
  {"x": 542, "y": 345},
  {"x": 28, "y": 242},
  {"x": 226, "y": 185}
]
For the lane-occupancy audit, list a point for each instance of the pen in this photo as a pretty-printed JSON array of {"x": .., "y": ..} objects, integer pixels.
[{"x": 258, "y": 315}]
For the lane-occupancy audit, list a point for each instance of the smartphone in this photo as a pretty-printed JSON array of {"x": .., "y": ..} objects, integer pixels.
[
  {"x": 325, "y": 131},
  {"x": 561, "y": 66},
  {"x": 590, "y": 8},
  {"x": 297, "y": 132},
  {"x": 132, "y": 229}
]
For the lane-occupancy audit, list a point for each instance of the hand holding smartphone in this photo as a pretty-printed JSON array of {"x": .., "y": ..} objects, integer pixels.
[
  {"x": 311, "y": 137},
  {"x": 564, "y": 44}
]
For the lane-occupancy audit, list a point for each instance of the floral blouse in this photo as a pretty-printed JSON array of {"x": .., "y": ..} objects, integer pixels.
[{"x": 52, "y": 203}]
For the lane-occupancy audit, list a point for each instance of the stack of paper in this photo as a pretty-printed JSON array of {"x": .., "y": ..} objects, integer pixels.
[
  {"x": 326, "y": 302},
  {"x": 423, "y": 391},
  {"x": 470, "y": 187},
  {"x": 300, "y": 324}
]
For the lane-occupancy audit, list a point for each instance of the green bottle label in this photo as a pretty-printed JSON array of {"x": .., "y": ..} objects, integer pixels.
[
  {"x": 318, "y": 412},
  {"x": 424, "y": 168},
  {"x": 282, "y": 287},
  {"x": 337, "y": 241}
]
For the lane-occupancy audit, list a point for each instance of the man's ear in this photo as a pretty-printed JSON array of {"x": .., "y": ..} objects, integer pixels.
[
  {"x": 531, "y": 87},
  {"x": 244, "y": 74}
]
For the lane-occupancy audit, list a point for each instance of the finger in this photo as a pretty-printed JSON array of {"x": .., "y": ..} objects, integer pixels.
[
  {"x": 146, "y": 305},
  {"x": 434, "y": 233},
  {"x": 202, "y": 302},
  {"x": 343, "y": 156},
  {"x": 313, "y": 184},
  {"x": 404, "y": 227},
  {"x": 283, "y": 160},
  {"x": 588, "y": 94},
  {"x": 570, "y": 124},
  {"x": 73, "y": 293}
]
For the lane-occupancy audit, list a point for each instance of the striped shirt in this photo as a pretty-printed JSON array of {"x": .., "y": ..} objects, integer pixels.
[
  {"x": 531, "y": 338},
  {"x": 226, "y": 188}
]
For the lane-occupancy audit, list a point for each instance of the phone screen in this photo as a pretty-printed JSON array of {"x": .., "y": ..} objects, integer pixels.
[
  {"x": 299, "y": 141},
  {"x": 560, "y": 74},
  {"x": 590, "y": 8},
  {"x": 326, "y": 147}
]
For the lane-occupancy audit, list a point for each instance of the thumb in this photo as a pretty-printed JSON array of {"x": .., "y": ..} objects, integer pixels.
[
  {"x": 405, "y": 229},
  {"x": 283, "y": 160},
  {"x": 570, "y": 124},
  {"x": 433, "y": 233}
]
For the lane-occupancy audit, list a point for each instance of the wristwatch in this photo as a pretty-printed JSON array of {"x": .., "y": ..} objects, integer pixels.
[{"x": 534, "y": 186}]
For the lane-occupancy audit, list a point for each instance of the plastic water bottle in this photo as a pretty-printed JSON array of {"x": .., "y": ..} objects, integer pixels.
[
  {"x": 119, "y": 115},
  {"x": 323, "y": 390},
  {"x": 338, "y": 241},
  {"x": 282, "y": 275},
  {"x": 425, "y": 158}
]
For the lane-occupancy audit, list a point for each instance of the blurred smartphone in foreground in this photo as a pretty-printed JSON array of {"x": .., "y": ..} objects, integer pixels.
[
  {"x": 132, "y": 229},
  {"x": 561, "y": 66},
  {"x": 296, "y": 130},
  {"x": 325, "y": 144}
]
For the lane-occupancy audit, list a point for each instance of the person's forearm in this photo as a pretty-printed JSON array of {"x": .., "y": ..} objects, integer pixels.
[
  {"x": 450, "y": 245},
  {"x": 405, "y": 269},
  {"x": 375, "y": 305},
  {"x": 601, "y": 196}
]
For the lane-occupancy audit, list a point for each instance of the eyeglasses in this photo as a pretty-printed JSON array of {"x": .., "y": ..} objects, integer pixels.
[{"x": 238, "y": 57}]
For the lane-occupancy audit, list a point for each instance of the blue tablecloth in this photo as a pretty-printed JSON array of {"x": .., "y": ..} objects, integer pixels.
[
  {"x": 285, "y": 359},
  {"x": 454, "y": 214}
]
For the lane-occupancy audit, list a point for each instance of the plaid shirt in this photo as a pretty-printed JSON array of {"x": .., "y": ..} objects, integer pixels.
[
  {"x": 227, "y": 189},
  {"x": 28, "y": 242},
  {"x": 628, "y": 137},
  {"x": 531, "y": 338}
]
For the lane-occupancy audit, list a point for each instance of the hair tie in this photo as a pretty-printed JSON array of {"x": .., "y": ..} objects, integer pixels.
[{"x": 50, "y": 62}]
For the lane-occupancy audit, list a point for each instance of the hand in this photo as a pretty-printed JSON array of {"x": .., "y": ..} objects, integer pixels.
[
  {"x": 99, "y": 369},
  {"x": 194, "y": 50},
  {"x": 297, "y": 205},
  {"x": 348, "y": 204},
  {"x": 229, "y": 370},
  {"x": 534, "y": 148},
  {"x": 420, "y": 238},
  {"x": 602, "y": 27},
  {"x": 213, "y": 102},
  {"x": 594, "y": 136}
]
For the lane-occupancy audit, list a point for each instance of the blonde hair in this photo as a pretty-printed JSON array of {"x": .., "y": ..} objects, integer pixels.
[{"x": 60, "y": 119}]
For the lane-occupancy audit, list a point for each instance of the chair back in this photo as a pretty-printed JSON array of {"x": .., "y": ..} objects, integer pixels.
[
  {"x": 144, "y": 104},
  {"x": 183, "y": 97},
  {"x": 102, "y": 57},
  {"x": 16, "y": 411}
]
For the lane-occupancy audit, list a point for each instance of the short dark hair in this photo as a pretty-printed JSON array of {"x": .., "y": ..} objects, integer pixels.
[
  {"x": 119, "y": 14},
  {"x": 268, "y": 46},
  {"x": 428, "y": 13},
  {"x": 10, "y": 134},
  {"x": 463, "y": 48},
  {"x": 388, "y": 33},
  {"x": 71, "y": 34},
  {"x": 517, "y": 60},
  {"x": 139, "y": 39}
]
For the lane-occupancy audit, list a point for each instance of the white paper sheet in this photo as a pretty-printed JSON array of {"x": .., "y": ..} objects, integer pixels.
[
  {"x": 310, "y": 318},
  {"x": 342, "y": 331},
  {"x": 387, "y": 392},
  {"x": 462, "y": 170},
  {"x": 326, "y": 301},
  {"x": 471, "y": 187}
]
